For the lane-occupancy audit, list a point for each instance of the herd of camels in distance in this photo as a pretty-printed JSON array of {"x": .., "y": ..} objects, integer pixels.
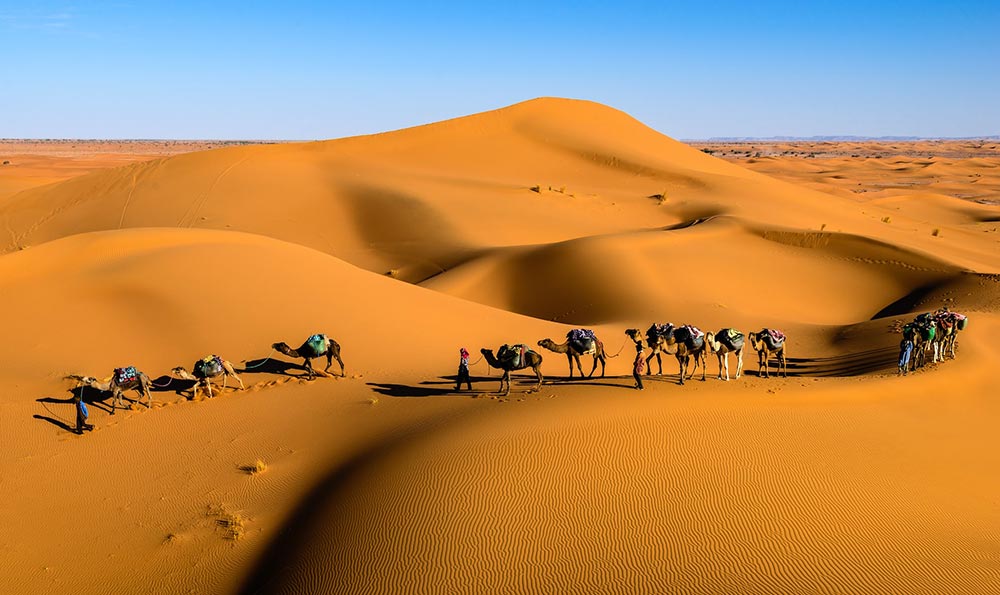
[{"x": 928, "y": 334}]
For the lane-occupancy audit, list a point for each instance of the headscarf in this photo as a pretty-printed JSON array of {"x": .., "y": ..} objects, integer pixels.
[{"x": 464, "y": 352}]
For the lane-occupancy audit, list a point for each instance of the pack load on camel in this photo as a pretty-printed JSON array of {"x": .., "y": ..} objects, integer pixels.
[
  {"x": 773, "y": 338},
  {"x": 208, "y": 367},
  {"x": 731, "y": 338},
  {"x": 125, "y": 375},
  {"x": 656, "y": 331},
  {"x": 691, "y": 336},
  {"x": 583, "y": 340},
  {"x": 511, "y": 355}
]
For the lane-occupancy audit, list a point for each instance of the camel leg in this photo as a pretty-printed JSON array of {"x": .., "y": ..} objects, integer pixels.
[
  {"x": 538, "y": 372},
  {"x": 579, "y": 366},
  {"x": 681, "y": 363},
  {"x": 309, "y": 368},
  {"x": 230, "y": 371},
  {"x": 116, "y": 396},
  {"x": 649, "y": 369},
  {"x": 208, "y": 387},
  {"x": 704, "y": 364},
  {"x": 594, "y": 369},
  {"x": 739, "y": 362},
  {"x": 506, "y": 377},
  {"x": 724, "y": 363},
  {"x": 784, "y": 366}
]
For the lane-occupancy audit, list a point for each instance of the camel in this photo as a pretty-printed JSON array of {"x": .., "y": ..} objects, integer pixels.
[
  {"x": 314, "y": 346},
  {"x": 531, "y": 360},
  {"x": 205, "y": 370},
  {"x": 947, "y": 325},
  {"x": 122, "y": 379},
  {"x": 573, "y": 353},
  {"x": 923, "y": 331},
  {"x": 659, "y": 342},
  {"x": 722, "y": 349},
  {"x": 765, "y": 346},
  {"x": 688, "y": 346}
]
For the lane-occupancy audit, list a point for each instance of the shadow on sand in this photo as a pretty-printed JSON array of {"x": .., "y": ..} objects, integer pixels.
[{"x": 269, "y": 365}]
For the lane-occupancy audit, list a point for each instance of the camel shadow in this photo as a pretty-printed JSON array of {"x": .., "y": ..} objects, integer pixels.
[
  {"x": 270, "y": 365},
  {"x": 838, "y": 366}
]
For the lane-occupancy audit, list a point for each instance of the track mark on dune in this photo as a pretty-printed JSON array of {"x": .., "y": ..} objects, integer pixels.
[
  {"x": 128, "y": 199},
  {"x": 197, "y": 205}
]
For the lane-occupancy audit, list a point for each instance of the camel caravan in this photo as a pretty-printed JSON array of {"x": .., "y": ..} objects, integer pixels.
[
  {"x": 203, "y": 372},
  {"x": 688, "y": 343},
  {"x": 933, "y": 334},
  {"x": 930, "y": 337}
]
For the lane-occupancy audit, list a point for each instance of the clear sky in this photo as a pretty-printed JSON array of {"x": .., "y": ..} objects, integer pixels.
[{"x": 309, "y": 70}]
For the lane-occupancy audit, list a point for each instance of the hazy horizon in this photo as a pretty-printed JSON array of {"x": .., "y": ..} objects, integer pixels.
[{"x": 306, "y": 71}]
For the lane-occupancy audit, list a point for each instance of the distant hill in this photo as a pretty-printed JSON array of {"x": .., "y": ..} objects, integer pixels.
[{"x": 835, "y": 138}]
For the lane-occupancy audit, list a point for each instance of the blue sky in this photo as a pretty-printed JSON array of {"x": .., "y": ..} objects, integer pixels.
[{"x": 305, "y": 70}]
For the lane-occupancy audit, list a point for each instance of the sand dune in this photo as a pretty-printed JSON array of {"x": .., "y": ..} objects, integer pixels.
[{"x": 502, "y": 227}]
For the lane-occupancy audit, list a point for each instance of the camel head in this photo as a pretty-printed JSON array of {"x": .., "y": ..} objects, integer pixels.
[
  {"x": 82, "y": 380},
  {"x": 633, "y": 333},
  {"x": 181, "y": 372},
  {"x": 712, "y": 344},
  {"x": 282, "y": 347},
  {"x": 546, "y": 343}
]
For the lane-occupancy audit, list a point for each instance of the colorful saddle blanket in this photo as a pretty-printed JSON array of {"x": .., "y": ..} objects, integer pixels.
[
  {"x": 125, "y": 375},
  {"x": 582, "y": 340},
  {"x": 961, "y": 320},
  {"x": 772, "y": 338},
  {"x": 208, "y": 367},
  {"x": 316, "y": 345}
]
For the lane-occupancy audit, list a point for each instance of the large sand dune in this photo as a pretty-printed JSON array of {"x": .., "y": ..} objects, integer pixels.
[{"x": 501, "y": 227}]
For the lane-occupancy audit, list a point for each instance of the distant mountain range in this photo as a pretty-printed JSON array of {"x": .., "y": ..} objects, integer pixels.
[{"x": 833, "y": 138}]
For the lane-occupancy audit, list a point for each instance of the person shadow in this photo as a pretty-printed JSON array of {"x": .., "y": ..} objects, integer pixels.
[{"x": 443, "y": 386}]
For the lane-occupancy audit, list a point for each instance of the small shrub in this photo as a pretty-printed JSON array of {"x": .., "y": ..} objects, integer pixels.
[
  {"x": 233, "y": 524},
  {"x": 373, "y": 401},
  {"x": 536, "y": 188},
  {"x": 257, "y": 467},
  {"x": 6, "y": 161},
  {"x": 886, "y": 219},
  {"x": 394, "y": 273},
  {"x": 936, "y": 232},
  {"x": 822, "y": 227}
]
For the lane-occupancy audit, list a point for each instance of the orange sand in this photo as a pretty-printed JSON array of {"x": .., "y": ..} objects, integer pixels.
[{"x": 507, "y": 226}]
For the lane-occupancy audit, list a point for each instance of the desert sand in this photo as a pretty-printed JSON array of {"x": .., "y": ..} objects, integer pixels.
[{"x": 502, "y": 227}]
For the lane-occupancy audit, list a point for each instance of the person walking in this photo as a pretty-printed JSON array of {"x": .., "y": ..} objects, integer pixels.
[
  {"x": 639, "y": 366},
  {"x": 463, "y": 370},
  {"x": 81, "y": 415},
  {"x": 905, "y": 353}
]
